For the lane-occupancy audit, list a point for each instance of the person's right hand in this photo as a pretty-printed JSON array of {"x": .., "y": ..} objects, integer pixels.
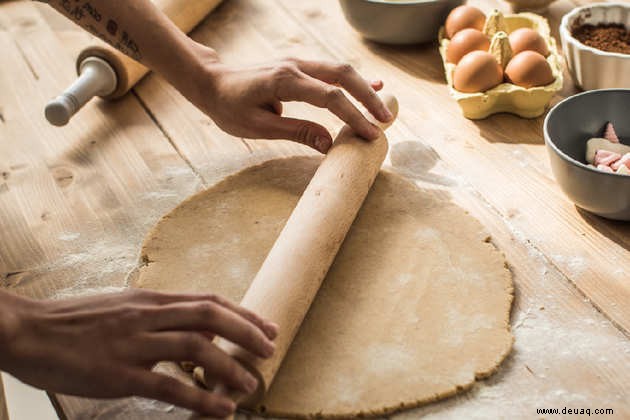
[
  {"x": 105, "y": 346},
  {"x": 246, "y": 101}
]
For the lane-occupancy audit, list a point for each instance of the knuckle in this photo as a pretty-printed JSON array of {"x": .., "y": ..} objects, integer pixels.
[
  {"x": 130, "y": 313},
  {"x": 194, "y": 346},
  {"x": 135, "y": 295},
  {"x": 207, "y": 309},
  {"x": 212, "y": 297},
  {"x": 345, "y": 69},
  {"x": 165, "y": 387},
  {"x": 253, "y": 338},
  {"x": 143, "y": 292},
  {"x": 290, "y": 60},
  {"x": 233, "y": 369},
  {"x": 334, "y": 95},
  {"x": 285, "y": 70}
]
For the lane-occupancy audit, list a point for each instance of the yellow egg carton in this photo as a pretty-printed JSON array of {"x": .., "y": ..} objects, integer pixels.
[{"x": 507, "y": 97}]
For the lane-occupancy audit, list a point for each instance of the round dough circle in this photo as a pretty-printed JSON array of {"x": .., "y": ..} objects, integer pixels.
[{"x": 415, "y": 307}]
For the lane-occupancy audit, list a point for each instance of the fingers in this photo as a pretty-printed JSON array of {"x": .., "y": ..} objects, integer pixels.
[
  {"x": 305, "y": 132},
  {"x": 170, "y": 390},
  {"x": 313, "y": 91},
  {"x": 210, "y": 317},
  {"x": 346, "y": 76},
  {"x": 217, "y": 364},
  {"x": 269, "y": 328}
]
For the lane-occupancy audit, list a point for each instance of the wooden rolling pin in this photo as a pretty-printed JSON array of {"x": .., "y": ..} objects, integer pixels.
[
  {"x": 106, "y": 72},
  {"x": 294, "y": 269}
]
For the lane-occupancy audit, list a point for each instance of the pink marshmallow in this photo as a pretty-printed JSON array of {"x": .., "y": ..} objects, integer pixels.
[
  {"x": 624, "y": 160},
  {"x": 609, "y": 133},
  {"x": 605, "y": 157}
]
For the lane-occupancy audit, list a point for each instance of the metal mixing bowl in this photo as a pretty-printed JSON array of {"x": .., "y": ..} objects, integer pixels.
[
  {"x": 567, "y": 127},
  {"x": 398, "y": 22}
]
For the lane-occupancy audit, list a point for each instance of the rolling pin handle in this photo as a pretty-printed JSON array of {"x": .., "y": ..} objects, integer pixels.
[{"x": 96, "y": 78}]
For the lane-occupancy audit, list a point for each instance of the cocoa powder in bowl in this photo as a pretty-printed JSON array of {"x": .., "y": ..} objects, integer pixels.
[{"x": 609, "y": 37}]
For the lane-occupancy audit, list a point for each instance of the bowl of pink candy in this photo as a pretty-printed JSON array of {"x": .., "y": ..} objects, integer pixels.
[{"x": 588, "y": 142}]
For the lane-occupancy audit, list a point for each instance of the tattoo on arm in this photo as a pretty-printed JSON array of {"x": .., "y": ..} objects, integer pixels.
[{"x": 86, "y": 15}]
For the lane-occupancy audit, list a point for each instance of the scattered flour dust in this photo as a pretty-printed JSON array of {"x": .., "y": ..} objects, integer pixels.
[
  {"x": 69, "y": 236},
  {"x": 576, "y": 264},
  {"x": 97, "y": 268}
]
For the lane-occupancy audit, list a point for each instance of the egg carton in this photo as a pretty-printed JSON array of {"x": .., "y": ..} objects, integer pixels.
[{"x": 507, "y": 97}]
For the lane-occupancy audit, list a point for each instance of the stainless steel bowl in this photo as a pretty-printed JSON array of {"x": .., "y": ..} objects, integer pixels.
[
  {"x": 567, "y": 127},
  {"x": 398, "y": 22}
]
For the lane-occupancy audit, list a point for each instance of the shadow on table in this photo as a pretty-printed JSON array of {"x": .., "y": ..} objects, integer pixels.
[
  {"x": 615, "y": 230},
  {"x": 509, "y": 128},
  {"x": 100, "y": 132},
  {"x": 415, "y": 159},
  {"x": 421, "y": 61}
]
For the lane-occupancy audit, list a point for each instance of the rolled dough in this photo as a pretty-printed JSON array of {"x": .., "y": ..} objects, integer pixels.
[{"x": 415, "y": 307}]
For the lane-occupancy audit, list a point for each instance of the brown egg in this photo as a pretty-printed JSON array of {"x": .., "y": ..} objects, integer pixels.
[
  {"x": 529, "y": 69},
  {"x": 465, "y": 41},
  {"x": 526, "y": 39},
  {"x": 463, "y": 17},
  {"x": 477, "y": 71}
]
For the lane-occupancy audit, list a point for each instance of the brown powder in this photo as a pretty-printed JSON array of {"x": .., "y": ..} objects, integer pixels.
[{"x": 610, "y": 37}]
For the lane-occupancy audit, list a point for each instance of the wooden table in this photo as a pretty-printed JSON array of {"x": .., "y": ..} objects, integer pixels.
[{"x": 76, "y": 202}]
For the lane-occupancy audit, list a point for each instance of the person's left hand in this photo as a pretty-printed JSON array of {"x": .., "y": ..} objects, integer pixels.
[{"x": 247, "y": 101}]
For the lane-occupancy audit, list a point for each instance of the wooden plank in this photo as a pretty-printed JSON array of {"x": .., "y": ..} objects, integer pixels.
[{"x": 76, "y": 202}]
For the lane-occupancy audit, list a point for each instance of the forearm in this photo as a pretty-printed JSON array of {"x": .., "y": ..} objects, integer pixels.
[{"x": 140, "y": 30}]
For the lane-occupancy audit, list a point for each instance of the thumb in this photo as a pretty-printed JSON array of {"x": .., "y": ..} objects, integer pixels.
[{"x": 301, "y": 131}]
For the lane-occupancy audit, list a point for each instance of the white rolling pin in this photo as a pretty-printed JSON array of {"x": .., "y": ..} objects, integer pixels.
[
  {"x": 294, "y": 269},
  {"x": 106, "y": 72}
]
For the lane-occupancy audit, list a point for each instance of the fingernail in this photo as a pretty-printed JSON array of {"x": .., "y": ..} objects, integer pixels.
[
  {"x": 250, "y": 383},
  {"x": 374, "y": 131},
  {"x": 386, "y": 114},
  {"x": 377, "y": 82},
  {"x": 270, "y": 348},
  {"x": 272, "y": 330}
]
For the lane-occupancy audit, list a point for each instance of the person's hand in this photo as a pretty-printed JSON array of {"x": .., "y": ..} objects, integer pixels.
[
  {"x": 105, "y": 346},
  {"x": 247, "y": 101}
]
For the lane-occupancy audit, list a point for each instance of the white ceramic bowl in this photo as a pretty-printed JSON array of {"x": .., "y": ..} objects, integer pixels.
[{"x": 592, "y": 68}]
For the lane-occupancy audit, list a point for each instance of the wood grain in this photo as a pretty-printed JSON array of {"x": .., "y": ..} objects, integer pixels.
[{"x": 570, "y": 317}]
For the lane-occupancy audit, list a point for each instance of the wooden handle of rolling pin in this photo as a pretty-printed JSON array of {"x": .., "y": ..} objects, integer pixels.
[
  {"x": 294, "y": 269},
  {"x": 185, "y": 14}
]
